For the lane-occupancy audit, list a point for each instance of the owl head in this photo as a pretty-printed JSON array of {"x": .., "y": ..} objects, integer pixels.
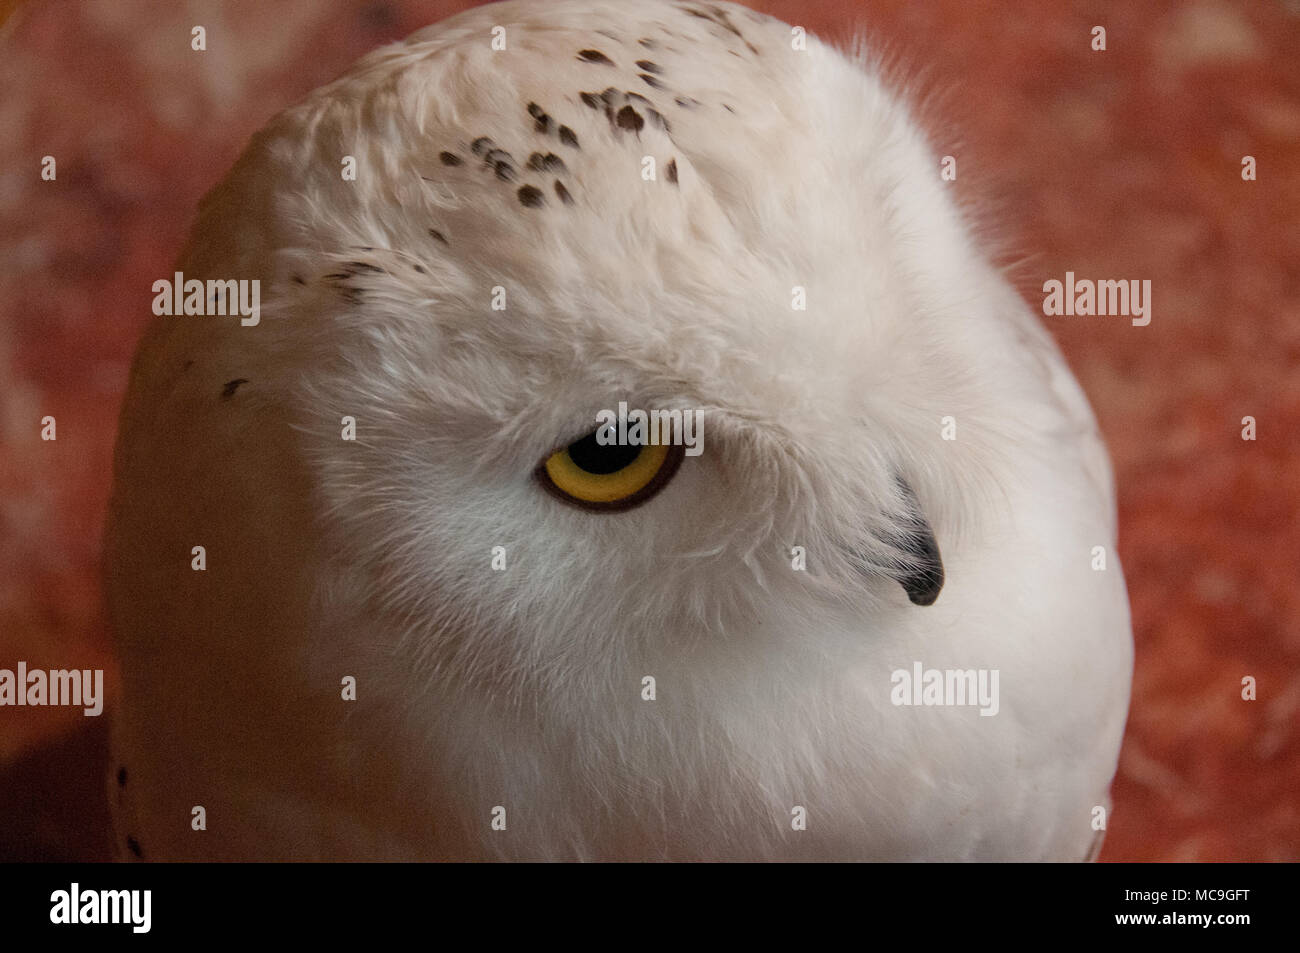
[{"x": 468, "y": 253}]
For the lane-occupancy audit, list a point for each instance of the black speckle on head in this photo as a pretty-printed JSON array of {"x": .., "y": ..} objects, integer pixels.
[
  {"x": 686, "y": 102},
  {"x": 563, "y": 193},
  {"x": 752, "y": 48},
  {"x": 648, "y": 43},
  {"x": 502, "y": 163},
  {"x": 723, "y": 19},
  {"x": 649, "y": 67},
  {"x": 229, "y": 389},
  {"x": 591, "y": 99},
  {"x": 437, "y": 236},
  {"x": 595, "y": 56},
  {"x": 531, "y": 197},
  {"x": 658, "y": 119},
  {"x": 133, "y": 846},
  {"x": 651, "y": 81},
  {"x": 188, "y": 365},
  {"x": 449, "y": 158},
  {"x": 298, "y": 280},
  {"x": 541, "y": 121},
  {"x": 420, "y": 269},
  {"x": 612, "y": 36},
  {"x": 480, "y": 145},
  {"x": 672, "y": 171},
  {"x": 545, "y": 163},
  {"x": 638, "y": 97},
  {"x": 121, "y": 777},
  {"x": 568, "y": 137},
  {"x": 365, "y": 266},
  {"x": 629, "y": 118},
  {"x": 727, "y": 108}
]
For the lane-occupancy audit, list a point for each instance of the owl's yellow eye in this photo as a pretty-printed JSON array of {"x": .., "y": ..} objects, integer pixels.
[{"x": 613, "y": 477}]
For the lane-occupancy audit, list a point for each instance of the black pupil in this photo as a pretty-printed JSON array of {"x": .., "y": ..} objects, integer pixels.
[{"x": 594, "y": 458}]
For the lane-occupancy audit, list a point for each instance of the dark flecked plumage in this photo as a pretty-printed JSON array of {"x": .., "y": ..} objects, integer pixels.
[
  {"x": 531, "y": 197},
  {"x": 628, "y": 118}
]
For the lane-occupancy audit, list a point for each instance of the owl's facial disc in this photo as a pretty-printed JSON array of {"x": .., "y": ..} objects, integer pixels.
[{"x": 923, "y": 583}]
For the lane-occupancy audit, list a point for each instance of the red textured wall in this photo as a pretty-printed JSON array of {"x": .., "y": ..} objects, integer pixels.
[{"x": 1117, "y": 164}]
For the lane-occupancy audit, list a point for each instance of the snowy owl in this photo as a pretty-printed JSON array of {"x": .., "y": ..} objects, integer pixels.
[{"x": 380, "y": 591}]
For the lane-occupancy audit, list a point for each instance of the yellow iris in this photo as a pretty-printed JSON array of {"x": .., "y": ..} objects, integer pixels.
[{"x": 585, "y": 486}]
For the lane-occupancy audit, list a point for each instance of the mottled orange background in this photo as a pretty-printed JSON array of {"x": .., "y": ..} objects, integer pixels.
[{"x": 1121, "y": 164}]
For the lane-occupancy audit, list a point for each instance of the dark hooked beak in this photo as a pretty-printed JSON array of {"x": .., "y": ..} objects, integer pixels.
[{"x": 923, "y": 582}]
